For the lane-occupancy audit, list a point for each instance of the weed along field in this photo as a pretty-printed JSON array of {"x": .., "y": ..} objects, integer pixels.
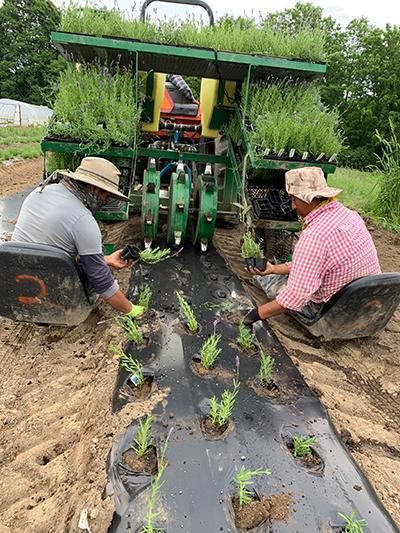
[{"x": 185, "y": 420}]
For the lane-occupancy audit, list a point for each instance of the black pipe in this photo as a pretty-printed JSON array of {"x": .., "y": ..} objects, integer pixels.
[{"x": 180, "y": 127}]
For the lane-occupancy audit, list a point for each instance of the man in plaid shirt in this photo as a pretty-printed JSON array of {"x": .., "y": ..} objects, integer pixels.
[
  {"x": 334, "y": 248},
  {"x": 182, "y": 86}
]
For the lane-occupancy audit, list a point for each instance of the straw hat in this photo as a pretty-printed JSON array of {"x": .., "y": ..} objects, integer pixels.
[
  {"x": 100, "y": 173},
  {"x": 308, "y": 183}
]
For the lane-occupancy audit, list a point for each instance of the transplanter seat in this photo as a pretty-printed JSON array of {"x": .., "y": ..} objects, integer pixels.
[
  {"x": 360, "y": 309},
  {"x": 42, "y": 284}
]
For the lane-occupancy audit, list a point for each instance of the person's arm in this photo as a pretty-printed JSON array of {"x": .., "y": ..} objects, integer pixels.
[
  {"x": 119, "y": 302},
  {"x": 271, "y": 309},
  {"x": 115, "y": 260}
]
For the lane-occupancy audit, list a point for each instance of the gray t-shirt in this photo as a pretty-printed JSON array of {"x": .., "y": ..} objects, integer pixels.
[{"x": 57, "y": 218}]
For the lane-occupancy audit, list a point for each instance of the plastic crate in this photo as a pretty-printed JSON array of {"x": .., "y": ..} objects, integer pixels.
[{"x": 274, "y": 206}]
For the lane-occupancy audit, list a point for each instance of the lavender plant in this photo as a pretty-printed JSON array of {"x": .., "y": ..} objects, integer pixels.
[
  {"x": 154, "y": 497},
  {"x": 95, "y": 104},
  {"x": 302, "y": 446},
  {"x": 250, "y": 248},
  {"x": 243, "y": 479},
  {"x": 155, "y": 256},
  {"x": 353, "y": 526},
  {"x": 144, "y": 297},
  {"x": 246, "y": 337},
  {"x": 220, "y": 412},
  {"x": 209, "y": 351},
  {"x": 191, "y": 319},
  {"x": 143, "y": 441},
  {"x": 130, "y": 329},
  {"x": 130, "y": 365},
  {"x": 267, "y": 363},
  {"x": 249, "y": 35}
]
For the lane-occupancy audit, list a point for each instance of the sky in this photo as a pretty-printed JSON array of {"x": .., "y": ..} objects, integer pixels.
[{"x": 379, "y": 12}]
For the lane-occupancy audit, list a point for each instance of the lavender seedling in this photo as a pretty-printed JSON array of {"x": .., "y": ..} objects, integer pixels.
[
  {"x": 130, "y": 365},
  {"x": 155, "y": 256},
  {"x": 246, "y": 338},
  {"x": 353, "y": 526},
  {"x": 227, "y": 306},
  {"x": 145, "y": 295},
  {"x": 191, "y": 320},
  {"x": 220, "y": 413},
  {"x": 250, "y": 248},
  {"x": 243, "y": 479},
  {"x": 155, "y": 488},
  {"x": 302, "y": 446},
  {"x": 143, "y": 441},
  {"x": 209, "y": 351},
  {"x": 130, "y": 329},
  {"x": 267, "y": 363}
]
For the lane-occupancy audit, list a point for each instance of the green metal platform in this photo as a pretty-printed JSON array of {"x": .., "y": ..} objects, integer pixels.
[{"x": 189, "y": 61}]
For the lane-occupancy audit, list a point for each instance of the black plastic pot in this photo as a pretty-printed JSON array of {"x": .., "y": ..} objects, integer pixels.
[
  {"x": 250, "y": 261},
  {"x": 260, "y": 263},
  {"x": 130, "y": 252}
]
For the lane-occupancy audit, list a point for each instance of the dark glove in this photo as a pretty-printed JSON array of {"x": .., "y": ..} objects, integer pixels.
[{"x": 251, "y": 316}]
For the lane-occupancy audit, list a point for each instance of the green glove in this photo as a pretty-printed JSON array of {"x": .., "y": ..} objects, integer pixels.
[{"x": 136, "y": 311}]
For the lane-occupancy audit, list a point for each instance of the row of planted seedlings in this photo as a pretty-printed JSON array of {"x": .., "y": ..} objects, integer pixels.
[
  {"x": 250, "y": 508},
  {"x": 287, "y": 119}
]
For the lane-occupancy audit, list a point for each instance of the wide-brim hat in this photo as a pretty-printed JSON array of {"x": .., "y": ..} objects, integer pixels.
[
  {"x": 308, "y": 183},
  {"x": 100, "y": 173}
]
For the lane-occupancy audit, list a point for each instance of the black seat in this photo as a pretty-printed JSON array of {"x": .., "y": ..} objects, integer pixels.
[
  {"x": 360, "y": 309},
  {"x": 42, "y": 284}
]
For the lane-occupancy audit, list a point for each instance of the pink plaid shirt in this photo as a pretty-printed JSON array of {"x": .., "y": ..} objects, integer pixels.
[{"x": 334, "y": 249}]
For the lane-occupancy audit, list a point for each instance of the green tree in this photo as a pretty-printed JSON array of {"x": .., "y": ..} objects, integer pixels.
[{"x": 27, "y": 58}]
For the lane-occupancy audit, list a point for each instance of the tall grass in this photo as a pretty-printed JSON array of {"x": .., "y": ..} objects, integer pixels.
[
  {"x": 387, "y": 203},
  {"x": 359, "y": 190},
  {"x": 238, "y": 35}
]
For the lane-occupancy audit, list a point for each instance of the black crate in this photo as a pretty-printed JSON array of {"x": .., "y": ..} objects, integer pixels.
[{"x": 275, "y": 206}]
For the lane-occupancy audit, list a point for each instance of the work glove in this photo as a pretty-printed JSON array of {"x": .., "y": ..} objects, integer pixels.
[
  {"x": 137, "y": 311},
  {"x": 249, "y": 316}
]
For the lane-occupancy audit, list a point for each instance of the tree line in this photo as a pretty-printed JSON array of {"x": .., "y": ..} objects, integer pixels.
[{"x": 363, "y": 67}]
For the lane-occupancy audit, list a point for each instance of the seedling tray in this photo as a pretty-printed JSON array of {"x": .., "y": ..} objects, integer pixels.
[{"x": 198, "y": 487}]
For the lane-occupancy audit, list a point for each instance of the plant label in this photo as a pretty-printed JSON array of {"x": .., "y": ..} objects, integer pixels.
[
  {"x": 320, "y": 156},
  {"x": 291, "y": 153},
  {"x": 305, "y": 155},
  {"x": 134, "y": 378},
  {"x": 280, "y": 153},
  {"x": 267, "y": 151},
  {"x": 332, "y": 158}
]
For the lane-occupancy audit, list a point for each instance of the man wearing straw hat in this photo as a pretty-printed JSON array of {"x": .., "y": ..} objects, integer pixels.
[
  {"x": 334, "y": 248},
  {"x": 60, "y": 215}
]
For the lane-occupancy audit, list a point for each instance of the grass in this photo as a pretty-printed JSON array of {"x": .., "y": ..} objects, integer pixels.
[
  {"x": 21, "y": 152},
  {"x": 21, "y": 134},
  {"x": 359, "y": 188}
]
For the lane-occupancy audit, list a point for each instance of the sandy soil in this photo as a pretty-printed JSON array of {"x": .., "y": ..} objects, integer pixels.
[{"x": 57, "y": 384}]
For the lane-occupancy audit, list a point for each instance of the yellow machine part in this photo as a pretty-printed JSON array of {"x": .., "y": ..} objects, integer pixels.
[
  {"x": 209, "y": 99},
  {"x": 158, "y": 95}
]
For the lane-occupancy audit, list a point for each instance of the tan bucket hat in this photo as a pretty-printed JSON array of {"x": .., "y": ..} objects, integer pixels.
[
  {"x": 308, "y": 183},
  {"x": 100, "y": 173}
]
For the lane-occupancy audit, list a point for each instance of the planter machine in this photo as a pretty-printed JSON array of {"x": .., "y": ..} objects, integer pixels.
[{"x": 178, "y": 168}]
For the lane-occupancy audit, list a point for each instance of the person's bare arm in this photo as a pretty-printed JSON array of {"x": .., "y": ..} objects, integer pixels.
[
  {"x": 271, "y": 309},
  {"x": 119, "y": 302}
]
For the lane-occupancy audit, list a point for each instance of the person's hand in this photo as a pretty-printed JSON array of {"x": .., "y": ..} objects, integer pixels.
[
  {"x": 195, "y": 102},
  {"x": 255, "y": 272},
  {"x": 115, "y": 260}
]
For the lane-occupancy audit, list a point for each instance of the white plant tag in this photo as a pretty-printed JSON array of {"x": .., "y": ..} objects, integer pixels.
[
  {"x": 267, "y": 151},
  {"x": 320, "y": 156},
  {"x": 332, "y": 158},
  {"x": 135, "y": 379},
  {"x": 291, "y": 153},
  {"x": 305, "y": 155},
  {"x": 281, "y": 152}
]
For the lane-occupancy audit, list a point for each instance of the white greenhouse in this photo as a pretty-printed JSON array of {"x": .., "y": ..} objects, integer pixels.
[{"x": 22, "y": 114}]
